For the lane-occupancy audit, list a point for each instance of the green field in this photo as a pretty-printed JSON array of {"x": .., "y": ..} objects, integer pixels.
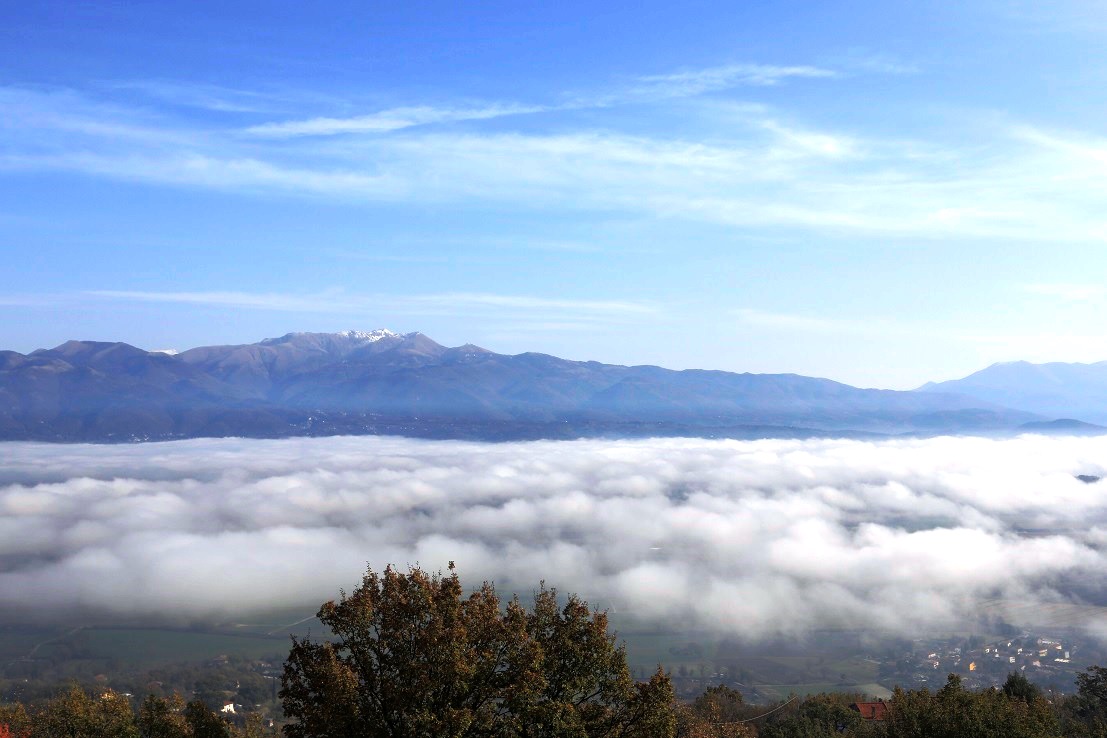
[
  {"x": 149, "y": 647},
  {"x": 104, "y": 647},
  {"x": 831, "y": 661},
  {"x": 17, "y": 641}
]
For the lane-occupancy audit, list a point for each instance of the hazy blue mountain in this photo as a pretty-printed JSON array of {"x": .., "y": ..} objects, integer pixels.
[
  {"x": 86, "y": 390},
  {"x": 1056, "y": 390},
  {"x": 1064, "y": 427},
  {"x": 383, "y": 382}
]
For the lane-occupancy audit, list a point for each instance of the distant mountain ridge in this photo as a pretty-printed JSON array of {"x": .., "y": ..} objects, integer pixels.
[
  {"x": 1053, "y": 390},
  {"x": 384, "y": 382}
]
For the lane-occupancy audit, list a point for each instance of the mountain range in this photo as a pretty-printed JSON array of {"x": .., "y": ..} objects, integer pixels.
[
  {"x": 380, "y": 382},
  {"x": 1054, "y": 390}
]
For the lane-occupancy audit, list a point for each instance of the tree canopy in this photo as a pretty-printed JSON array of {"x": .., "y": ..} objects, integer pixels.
[
  {"x": 411, "y": 656},
  {"x": 954, "y": 711}
]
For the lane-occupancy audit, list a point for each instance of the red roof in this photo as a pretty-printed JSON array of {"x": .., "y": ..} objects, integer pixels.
[{"x": 870, "y": 710}]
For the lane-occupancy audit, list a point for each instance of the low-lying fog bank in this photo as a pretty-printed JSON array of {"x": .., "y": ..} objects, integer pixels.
[{"x": 757, "y": 538}]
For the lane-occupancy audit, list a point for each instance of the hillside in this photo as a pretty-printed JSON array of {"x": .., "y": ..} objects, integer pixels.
[
  {"x": 384, "y": 382},
  {"x": 1054, "y": 390}
]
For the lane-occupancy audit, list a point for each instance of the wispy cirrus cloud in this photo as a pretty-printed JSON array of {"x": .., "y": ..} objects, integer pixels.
[
  {"x": 759, "y": 169},
  {"x": 713, "y": 79},
  {"x": 233, "y": 299},
  {"x": 798, "y": 142},
  {"x": 451, "y": 299},
  {"x": 452, "y": 303},
  {"x": 642, "y": 89},
  {"x": 872, "y": 62},
  {"x": 38, "y": 121},
  {"x": 772, "y": 176},
  {"x": 393, "y": 119},
  {"x": 214, "y": 98},
  {"x": 1091, "y": 149},
  {"x": 246, "y": 175}
]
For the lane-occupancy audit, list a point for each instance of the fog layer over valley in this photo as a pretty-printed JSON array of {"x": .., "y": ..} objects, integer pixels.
[{"x": 753, "y": 538}]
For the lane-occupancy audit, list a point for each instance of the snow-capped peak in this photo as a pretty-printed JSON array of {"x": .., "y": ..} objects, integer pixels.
[
  {"x": 347, "y": 338},
  {"x": 369, "y": 336}
]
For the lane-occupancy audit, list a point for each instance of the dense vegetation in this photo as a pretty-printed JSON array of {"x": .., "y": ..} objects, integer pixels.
[{"x": 410, "y": 656}]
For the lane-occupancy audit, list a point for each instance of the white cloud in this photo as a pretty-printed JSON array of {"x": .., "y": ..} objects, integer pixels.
[
  {"x": 450, "y": 302},
  {"x": 712, "y": 79},
  {"x": 1082, "y": 148},
  {"x": 646, "y": 88},
  {"x": 204, "y": 96},
  {"x": 800, "y": 143},
  {"x": 247, "y": 300},
  {"x": 865, "y": 61},
  {"x": 463, "y": 299},
  {"x": 384, "y": 121},
  {"x": 752, "y": 538},
  {"x": 758, "y": 170}
]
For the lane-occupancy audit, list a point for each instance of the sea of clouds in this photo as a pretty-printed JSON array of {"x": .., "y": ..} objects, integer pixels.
[{"x": 754, "y": 538}]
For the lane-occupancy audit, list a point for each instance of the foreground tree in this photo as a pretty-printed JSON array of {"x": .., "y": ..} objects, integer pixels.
[
  {"x": 77, "y": 715},
  {"x": 717, "y": 713},
  {"x": 820, "y": 715},
  {"x": 1085, "y": 713},
  {"x": 161, "y": 717},
  {"x": 1018, "y": 687},
  {"x": 412, "y": 657},
  {"x": 203, "y": 722},
  {"x": 14, "y": 721},
  {"x": 953, "y": 712}
]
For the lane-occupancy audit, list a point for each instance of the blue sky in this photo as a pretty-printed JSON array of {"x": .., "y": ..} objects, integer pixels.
[{"x": 880, "y": 193}]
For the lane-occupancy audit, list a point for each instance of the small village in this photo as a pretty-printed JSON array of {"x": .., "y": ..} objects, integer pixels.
[{"x": 1050, "y": 660}]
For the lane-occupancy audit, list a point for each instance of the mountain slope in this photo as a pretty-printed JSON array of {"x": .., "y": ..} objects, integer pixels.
[
  {"x": 87, "y": 390},
  {"x": 383, "y": 382},
  {"x": 1055, "y": 390}
]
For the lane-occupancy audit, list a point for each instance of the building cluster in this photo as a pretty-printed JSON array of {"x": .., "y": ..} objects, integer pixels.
[{"x": 1042, "y": 658}]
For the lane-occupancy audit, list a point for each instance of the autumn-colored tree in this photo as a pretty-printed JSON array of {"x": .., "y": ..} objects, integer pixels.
[
  {"x": 412, "y": 657},
  {"x": 75, "y": 714},
  {"x": 254, "y": 728},
  {"x": 14, "y": 721},
  {"x": 717, "y": 713},
  {"x": 162, "y": 717},
  {"x": 204, "y": 723}
]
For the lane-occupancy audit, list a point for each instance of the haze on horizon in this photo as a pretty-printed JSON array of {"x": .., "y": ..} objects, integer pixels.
[{"x": 884, "y": 194}]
